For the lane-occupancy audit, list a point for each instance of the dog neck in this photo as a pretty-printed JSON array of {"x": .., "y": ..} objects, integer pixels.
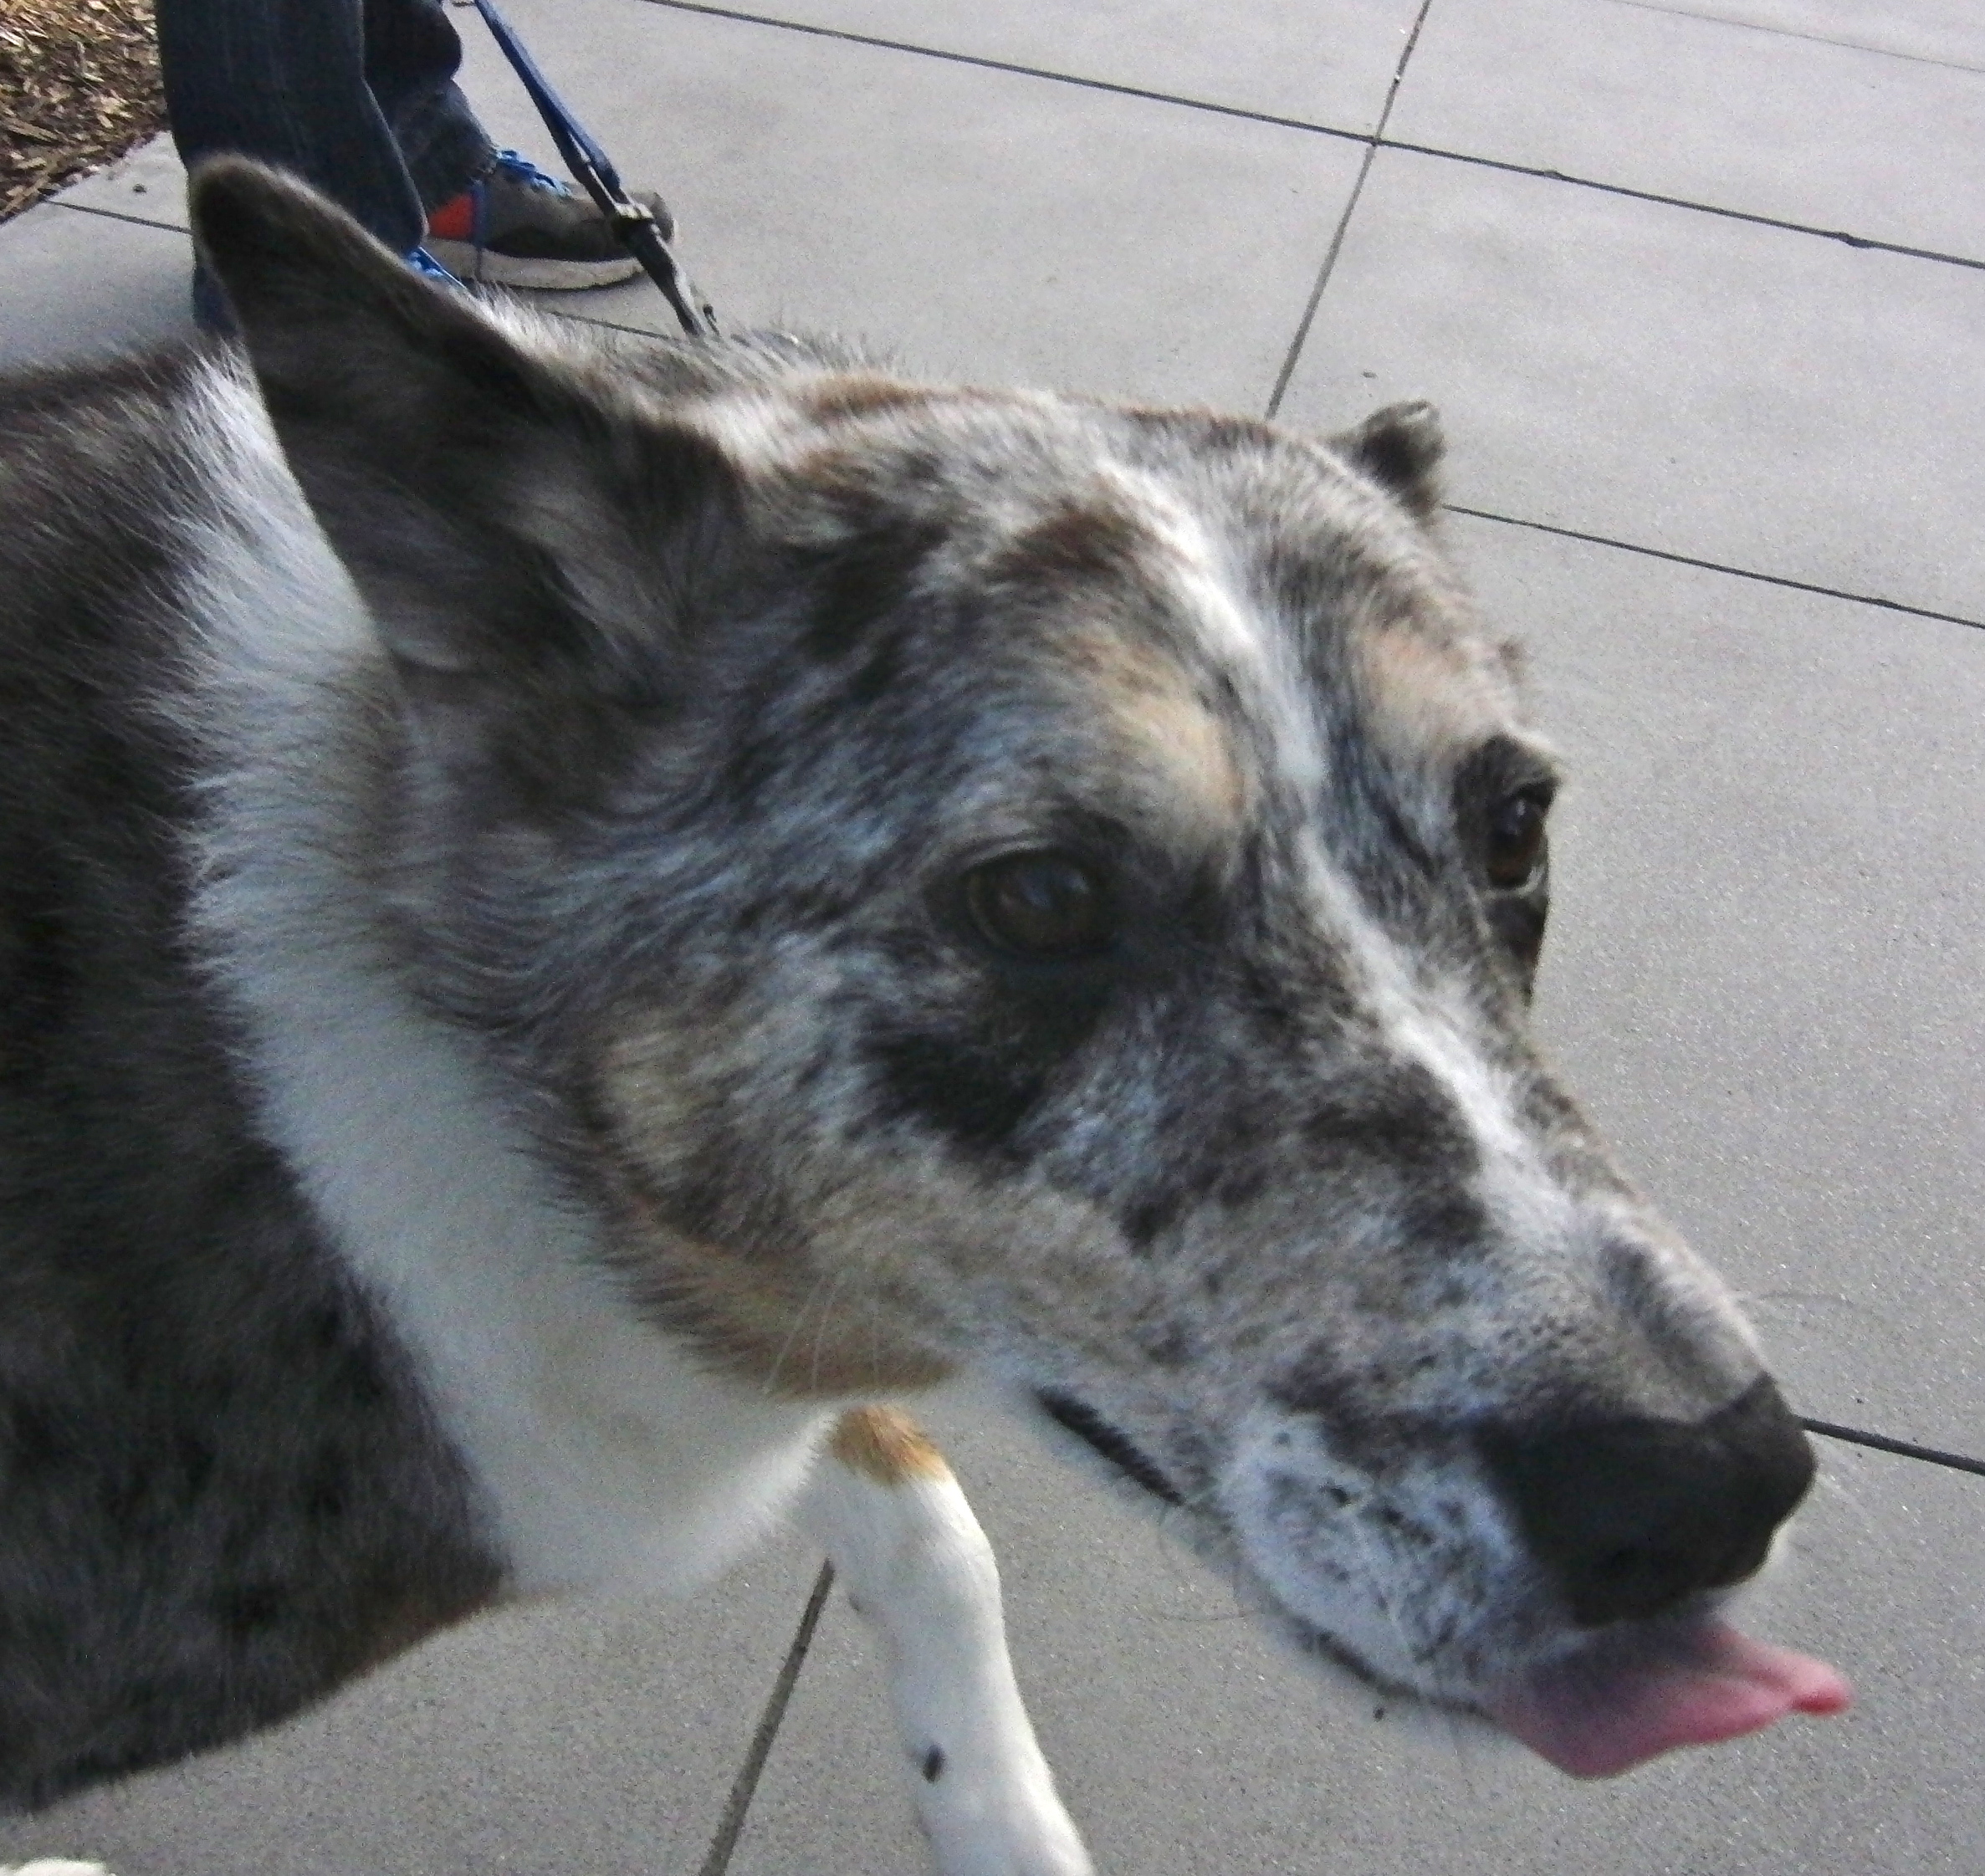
[{"x": 606, "y": 1451}]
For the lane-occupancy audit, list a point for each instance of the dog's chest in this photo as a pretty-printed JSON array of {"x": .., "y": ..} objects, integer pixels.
[{"x": 605, "y": 1454}]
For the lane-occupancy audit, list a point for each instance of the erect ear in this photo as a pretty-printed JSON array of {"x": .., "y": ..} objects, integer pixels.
[
  {"x": 1400, "y": 449},
  {"x": 505, "y": 515}
]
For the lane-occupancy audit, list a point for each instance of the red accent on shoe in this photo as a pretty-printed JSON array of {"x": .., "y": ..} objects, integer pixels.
[{"x": 455, "y": 219}]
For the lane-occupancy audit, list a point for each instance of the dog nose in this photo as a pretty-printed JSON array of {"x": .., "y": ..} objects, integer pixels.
[{"x": 1634, "y": 1515}]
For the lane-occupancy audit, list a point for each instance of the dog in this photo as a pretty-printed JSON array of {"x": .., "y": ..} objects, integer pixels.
[{"x": 581, "y": 918}]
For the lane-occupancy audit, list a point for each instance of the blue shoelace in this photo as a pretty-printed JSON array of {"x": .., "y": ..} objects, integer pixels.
[
  {"x": 425, "y": 264},
  {"x": 514, "y": 164}
]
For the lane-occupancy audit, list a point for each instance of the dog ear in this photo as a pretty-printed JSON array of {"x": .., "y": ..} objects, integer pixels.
[
  {"x": 1399, "y": 448},
  {"x": 505, "y": 515}
]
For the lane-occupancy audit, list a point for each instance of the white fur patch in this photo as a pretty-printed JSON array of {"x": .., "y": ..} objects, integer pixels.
[
  {"x": 603, "y": 1452},
  {"x": 1395, "y": 1574},
  {"x": 1260, "y": 663},
  {"x": 1425, "y": 1026}
]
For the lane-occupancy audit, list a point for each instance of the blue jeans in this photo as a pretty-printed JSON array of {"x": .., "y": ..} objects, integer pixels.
[{"x": 358, "y": 97}]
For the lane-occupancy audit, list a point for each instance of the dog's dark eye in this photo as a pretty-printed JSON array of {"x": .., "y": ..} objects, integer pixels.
[
  {"x": 1047, "y": 906},
  {"x": 1515, "y": 839}
]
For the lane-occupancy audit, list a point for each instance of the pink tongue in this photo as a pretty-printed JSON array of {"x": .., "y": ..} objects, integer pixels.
[{"x": 1614, "y": 1706}]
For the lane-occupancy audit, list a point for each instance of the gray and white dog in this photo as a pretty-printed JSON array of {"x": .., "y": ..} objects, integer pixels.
[{"x": 577, "y": 914}]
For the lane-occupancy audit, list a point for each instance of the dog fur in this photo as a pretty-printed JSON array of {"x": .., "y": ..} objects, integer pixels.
[{"x": 572, "y": 912}]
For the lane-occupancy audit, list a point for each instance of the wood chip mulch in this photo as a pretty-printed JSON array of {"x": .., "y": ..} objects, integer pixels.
[{"x": 78, "y": 85}]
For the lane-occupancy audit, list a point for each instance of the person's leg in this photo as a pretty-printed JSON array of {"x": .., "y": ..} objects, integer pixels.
[
  {"x": 412, "y": 53},
  {"x": 358, "y": 97},
  {"x": 285, "y": 80}
]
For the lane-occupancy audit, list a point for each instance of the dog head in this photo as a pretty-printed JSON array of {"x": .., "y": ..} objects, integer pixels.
[{"x": 969, "y": 877}]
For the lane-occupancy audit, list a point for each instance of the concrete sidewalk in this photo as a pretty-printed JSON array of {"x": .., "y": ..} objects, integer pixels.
[{"x": 1700, "y": 287}]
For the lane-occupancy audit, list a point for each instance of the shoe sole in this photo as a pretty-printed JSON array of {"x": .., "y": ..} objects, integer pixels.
[{"x": 485, "y": 267}]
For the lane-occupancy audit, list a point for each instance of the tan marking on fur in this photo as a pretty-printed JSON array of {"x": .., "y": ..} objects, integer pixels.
[
  {"x": 648, "y": 1095},
  {"x": 886, "y": 1446},
  {"x": 1149, "y": 702},
  {"x": 780, "y": 1329},
  {"x": 862, "y": 394},
  {"x": 1099, "y": 542},
  {"x": 850, "y": 396},
  {"x": 1431, "y": 701},
  {"x": 766, "y": 1312}
]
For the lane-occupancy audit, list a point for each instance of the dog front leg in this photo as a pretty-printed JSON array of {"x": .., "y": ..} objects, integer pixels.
[{"x": 885, "y": 1507}]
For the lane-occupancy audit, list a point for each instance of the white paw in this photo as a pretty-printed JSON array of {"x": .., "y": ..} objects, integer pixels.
[
  {"x": 53, "y": 1866},
  {"x": 1008, "y": 1826}
]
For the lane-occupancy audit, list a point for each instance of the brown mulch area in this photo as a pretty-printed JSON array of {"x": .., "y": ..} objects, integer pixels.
[{"x": 79, "y": 84}]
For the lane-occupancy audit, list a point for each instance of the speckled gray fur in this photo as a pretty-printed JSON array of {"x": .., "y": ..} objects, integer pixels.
[{"x": 696, "y": 688}]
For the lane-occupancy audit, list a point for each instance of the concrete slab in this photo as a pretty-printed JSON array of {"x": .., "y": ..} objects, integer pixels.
[
  {"x": 1188, "y": 1745},
  {"x": 1766, "y": 123},
  {"x": 975, "y": 223},
  {"x": 599, "y": 1738},
  {"x": 1769, "y": 872},
  {"x": 1950, "y": 32},
  {"x": 1328, "y": 61},
  {"x": 980, "y": 223},
  {"x": 833, "y": 1796},
  {"x": 1740, "y": 393},
  {"x": 146, "y": 185},
  {"x": 82, "y": 284}
]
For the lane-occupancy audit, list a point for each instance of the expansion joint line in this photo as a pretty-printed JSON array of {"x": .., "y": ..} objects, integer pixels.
[
  {"x": 1336, "y": 241},
  {"x": 1715, "y": 566},
  {"x": 730, "y": 1826}
]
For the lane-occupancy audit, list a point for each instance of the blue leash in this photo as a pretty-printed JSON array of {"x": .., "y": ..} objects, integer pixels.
[{"x": 634, "y": 226}]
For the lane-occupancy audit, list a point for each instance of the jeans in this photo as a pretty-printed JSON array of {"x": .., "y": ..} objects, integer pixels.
[{"x": 358, "y": 97}]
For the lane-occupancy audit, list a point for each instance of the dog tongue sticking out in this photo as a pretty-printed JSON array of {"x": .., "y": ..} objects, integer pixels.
[{"x": 1612, "y": 1706}]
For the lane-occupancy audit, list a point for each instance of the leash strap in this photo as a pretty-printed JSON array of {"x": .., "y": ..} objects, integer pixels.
[
  {"x": 1880, "y": 1443},
  {"x": 634, "y": 226}
]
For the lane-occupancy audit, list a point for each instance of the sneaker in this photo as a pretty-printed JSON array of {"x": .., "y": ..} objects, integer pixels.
[{"x": 516, "y": 226}]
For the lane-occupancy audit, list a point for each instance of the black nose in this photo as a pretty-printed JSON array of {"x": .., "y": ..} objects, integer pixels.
[{"x": 1635, "y": 1516}]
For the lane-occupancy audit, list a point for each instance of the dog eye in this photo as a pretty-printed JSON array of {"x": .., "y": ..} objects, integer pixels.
[
  {"x": 1515, "y": 839},
  {"x": 1047, "y": 906}
]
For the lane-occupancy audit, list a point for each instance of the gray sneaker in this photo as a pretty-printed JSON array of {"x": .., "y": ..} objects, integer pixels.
[{"x": 516, "y": 226}]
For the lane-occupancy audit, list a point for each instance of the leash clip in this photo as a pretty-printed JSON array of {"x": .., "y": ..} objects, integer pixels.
[{"x": 633, "y": 224}]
